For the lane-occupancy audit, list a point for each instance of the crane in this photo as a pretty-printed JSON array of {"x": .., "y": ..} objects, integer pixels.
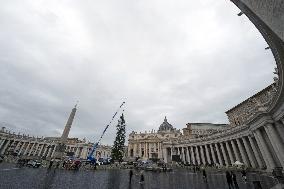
[{"x": 90, "y": 155}]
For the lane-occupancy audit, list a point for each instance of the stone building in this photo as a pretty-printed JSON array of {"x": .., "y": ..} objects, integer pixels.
[
  {"x": 148, "y": 145},
  {"x": 247, "y": 109},
  {"x": 196, "y": 130},
  {"x": 49, "y": 147},
  {"x": 44, "y": 148}
]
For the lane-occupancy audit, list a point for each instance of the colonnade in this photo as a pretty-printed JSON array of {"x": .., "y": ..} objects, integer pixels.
[
  {"x": 261, "y": 148},
  {"x": 36, "y": 148},
  {"x": 146, "y": 149}
]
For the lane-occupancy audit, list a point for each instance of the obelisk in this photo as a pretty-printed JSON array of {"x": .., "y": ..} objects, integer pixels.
[{"x": 61, "y": 146}]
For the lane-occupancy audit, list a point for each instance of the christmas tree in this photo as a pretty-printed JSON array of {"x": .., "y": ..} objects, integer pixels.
[{"x": 118, "y": 147}]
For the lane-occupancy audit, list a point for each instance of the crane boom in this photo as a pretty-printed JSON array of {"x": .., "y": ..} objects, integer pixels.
[{"x": 90, "y": 156}]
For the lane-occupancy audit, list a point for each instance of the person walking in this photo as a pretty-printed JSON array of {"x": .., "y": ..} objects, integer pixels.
[
  {"x": 204, "y": 175},
  {"x": 130, "y": 175},
  {"x": 234, "y": 178},
  {"x": 141, "y": 178},
  {"x": 229, "y": 179},
  {"x": 50, "y": 164},
  {"x": 244, "y": 175}
]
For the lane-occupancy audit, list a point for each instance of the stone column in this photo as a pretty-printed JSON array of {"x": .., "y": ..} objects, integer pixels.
[
  {"x": 224, "y": 154},
  {"x": 140, "y": 147},
  {"x": 41, "y": 148},
  {"x": 5, "y": 147},
  {"x": 31, "y": 150},
  {"x": 49, "y": 151},
  {"x": 22, "y": 147},
  {"x": 1, "y": 143},
  {"x": 134, "y": 150},
  {"x": 17, "y": 146},
  {"x": 192, "y": 155},
  {"x": 207, "y": 154},
  {"x": 270, "y": 164},
  {"x": 237, "y": 155},
  {"x": 77, "y": 152},
  {"x": 249, "y": 153},
  {"x": 202, "y": 155},
  {"x": 27, "y": 149},
  {"x": 213, "y": 154},
  {"x": 197, "y": 155},
  {"x": 187, "y": 155},
  {"x": 276, "y": 142},
  {"x": 219, "y": 155},
  {"x": 36, "y": 149},
  {"x": 230, "y": 152},
  {"x": 255, "y": 151},
  {"x": 53, "y": 151},
  {"x": 45, "y": 151},
  {"x": 280, "y": 130},
  {"x": 243, "y": 152},
  {"x": 182, "y": 154}
]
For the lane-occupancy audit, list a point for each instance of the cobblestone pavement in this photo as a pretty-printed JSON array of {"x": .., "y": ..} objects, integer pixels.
[{"x": 28, "y": 178}]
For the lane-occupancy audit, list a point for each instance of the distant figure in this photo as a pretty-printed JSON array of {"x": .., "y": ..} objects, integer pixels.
[
  {"x": 229, "y": 179},
  {"x": 234, "y": 178},
  {"x": 141, "y": 178},
  {"x": 130, "y": 175},
  {"x": 244, "y": 175},
  {"x": 57, "y": 165},
  {"x": 50, "y": 164},
  {"x": 204, "y": 175}
]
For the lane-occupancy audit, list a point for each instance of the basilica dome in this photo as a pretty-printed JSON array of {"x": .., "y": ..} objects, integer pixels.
[{"x": 165, "y": 126}]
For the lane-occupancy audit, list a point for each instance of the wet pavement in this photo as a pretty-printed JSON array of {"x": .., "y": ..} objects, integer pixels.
[{"x": 36, "y": 178}]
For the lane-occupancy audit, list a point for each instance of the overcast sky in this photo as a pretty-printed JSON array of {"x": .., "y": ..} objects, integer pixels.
[{"x": 185, "y": 59}]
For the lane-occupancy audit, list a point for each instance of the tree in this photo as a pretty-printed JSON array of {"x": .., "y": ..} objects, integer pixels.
[{"x": 118, "y": 147}]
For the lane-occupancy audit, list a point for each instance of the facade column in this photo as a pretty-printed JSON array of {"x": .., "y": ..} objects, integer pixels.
[
  {"x": 77, "y": 152},
  {"x": 49, "y": 151},
  {"x": 41, "y": 148},
  {"x": 276, "y": 142},
  {"x": 182, "y": 155},
  {"x": 53, "y": 151},
  {"x": 237, "y": 155},
  {"x": 17, "y": 146},
  {"x": 22, "y": 147},
  {"x": 280, "y": 130},
  {"x": 36, "y": 149},
  {"x": 213, "y": 153},
  {"x": 207, "y": 154},
  {"x": 172, "y": 151},
  {"x": 197, "y": 155},
  {"x": 188, "y": 155},
  {"x": 249, "y": 153},
  {"x": 135, "y": 147},
  {"x": 219, "y": 155},
  {"x": 243, "y": 152},
  {"x": 5, "y": 147},
  {"x": 27, "y": 148},
  {"x": 270, "y": 164},
  {"x": 224, "y": 154},
  {"x": 31, "y": 150},
  {"x": 192, "y": 155},
  {"x": 202, "y": 155},
  {"x": 45, "y": 151},
  {"x": 230, "y": 152},
  {"x": 2, "y": 143},
  {"x": 255, "y": 151}
]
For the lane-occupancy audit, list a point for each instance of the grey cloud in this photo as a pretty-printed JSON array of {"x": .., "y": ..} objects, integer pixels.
[{"x": 188, "y": 60}]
